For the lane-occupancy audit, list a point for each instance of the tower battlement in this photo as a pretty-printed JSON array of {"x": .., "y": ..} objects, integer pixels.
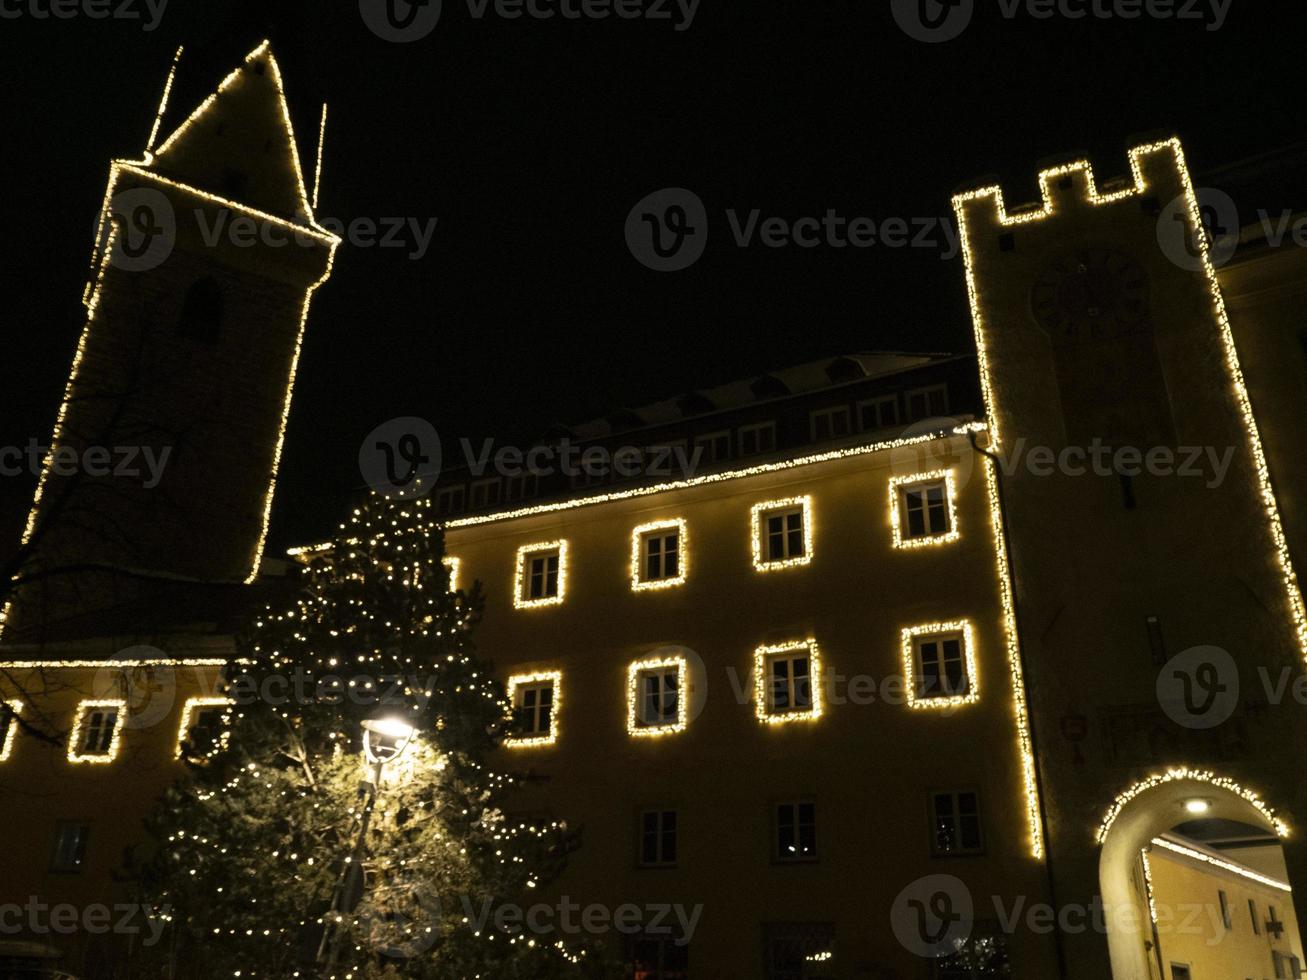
[{"x": 1156, "y": 170}]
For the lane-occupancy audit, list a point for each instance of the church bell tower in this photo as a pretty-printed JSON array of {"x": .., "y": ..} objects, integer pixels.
[{"x": 165, "y": 450}]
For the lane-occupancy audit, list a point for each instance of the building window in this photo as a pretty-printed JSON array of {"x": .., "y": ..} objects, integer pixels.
[
  {"x": 590, "y": 475},
  {"x": 782, "y": 533},
  {"x": 202, "y": 307},
  {"x": 955, "y": 823},
  {"x": 715, "y": 447},
  {"x": 756, "y": 439},
  {"x": 69, "y": 847},
  {"x": 658, "y": 957},
  {"x": 796, "y": 831},
  {"x": 535, "y": 700},
  {"x": 1179, "y": 971},
  {"x": 9, "y": 728},
  {"x": 658, "y": 839},
  {"x": 669, "y": 459},
  {"x": 930, "y": 402},
  {"x": 658, "y": 558},
  {"x": 878, "y": 413},
  {"x": 656, "y": 696},
  {"x": 524, "y": 486},
  {"x": 798, "y": 950},
  {"x": 787, "y": 682},
  {"x": 829, "y": 423},
  {"x": 451, "y": 500},
  {"x": 486, "y": 493},
  {"x": 96, "y": 731},
  {"x": 939, "y": 661},
  {"x": 923, "y": 509},
  {"x": 1252, "y": 914},
  {"x": 202, "y": 727},
  {"x": 541, "y": 574},
  {"x": 1224, "y": 899},
  {"x": 982, "y": 954},
  {"x": 1287, "y": 966}
]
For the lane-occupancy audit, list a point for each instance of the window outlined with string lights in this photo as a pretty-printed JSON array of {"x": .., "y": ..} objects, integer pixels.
[
  {"x": 97, "y": 731},
  {"x": 782, "y": 533},
  {"x": 923, "y": 509},
  {"x": 535, "y": 700},
  {"x": 541, "y": 575}
]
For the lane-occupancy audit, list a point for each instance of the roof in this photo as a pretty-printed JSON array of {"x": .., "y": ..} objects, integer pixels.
[{"x": 801, "y": 379}]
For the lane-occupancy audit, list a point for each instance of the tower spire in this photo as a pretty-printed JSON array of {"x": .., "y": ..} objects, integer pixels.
[{"x": 239, "y": 143}]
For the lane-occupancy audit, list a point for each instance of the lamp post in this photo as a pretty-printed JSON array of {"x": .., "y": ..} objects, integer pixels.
[{"x": 384, "y": 740}]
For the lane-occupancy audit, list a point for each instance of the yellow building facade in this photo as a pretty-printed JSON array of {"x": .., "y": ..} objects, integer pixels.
[{"x": 866, "y": 695}]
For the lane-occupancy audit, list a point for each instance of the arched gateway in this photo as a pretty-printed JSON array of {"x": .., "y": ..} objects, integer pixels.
[{"x": 1193, "y": 881}]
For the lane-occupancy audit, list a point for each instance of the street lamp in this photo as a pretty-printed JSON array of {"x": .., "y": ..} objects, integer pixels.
[{"x": 384, "y": 741}]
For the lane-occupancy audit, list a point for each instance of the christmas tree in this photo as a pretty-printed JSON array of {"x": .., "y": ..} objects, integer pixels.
[{"x": 344, "y": 821}]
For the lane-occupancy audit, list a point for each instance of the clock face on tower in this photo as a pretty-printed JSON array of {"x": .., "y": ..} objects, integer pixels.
[{"x": 1090, "y": 294}]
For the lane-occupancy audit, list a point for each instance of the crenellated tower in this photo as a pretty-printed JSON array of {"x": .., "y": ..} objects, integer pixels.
[{"x": 1142, "y": 524}]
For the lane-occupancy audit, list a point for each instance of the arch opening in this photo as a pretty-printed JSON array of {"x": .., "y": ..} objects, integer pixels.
[{"x": 1194, "y": 883}]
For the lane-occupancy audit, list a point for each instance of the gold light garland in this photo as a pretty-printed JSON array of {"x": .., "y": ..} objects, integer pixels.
[
  {"x": 317, "y": 169},
  {"x": 102, "y": 664},
  {"x": 909, "y": 654},
  {"x": 1196, "y": 775},
  {"x": 1216, "y": 862},
  {"x": 760, "y": 562},
  {"x": 75, "y": 738},
  {"x": 163, "y": 105},
  {"x": 762, "y": 705},
  {"x": 638, "y": 582},
  {"x": 898, "y": 484},
  {"x": 521, "y": 579},
  {"x": 555, "y": 677},
  {"x": 1016, "y": 674},
  {"x": 11, "y": 731},
  {"x": 454, "y": 565},
  {"x": 188, "y": 711},
  {"x": 633, "y": 675},
  {"x": 1148, "y": 885}
]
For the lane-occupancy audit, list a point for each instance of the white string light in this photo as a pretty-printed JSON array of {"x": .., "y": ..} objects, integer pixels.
[
  {"x": 86, "y": 708},
  {"x": 911, "y": 669},
  {"x": 764, "y": 709},
  {"x": 634, "y": 674},
  {"x": 15, "y": 708},
  {"x": 1194, "y": 775},
  {"x": 899, "y": 485},
  {"x": 638, "y": 582}
]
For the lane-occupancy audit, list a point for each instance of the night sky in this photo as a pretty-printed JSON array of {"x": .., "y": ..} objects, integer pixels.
[{"x": 531, "y": 140}]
